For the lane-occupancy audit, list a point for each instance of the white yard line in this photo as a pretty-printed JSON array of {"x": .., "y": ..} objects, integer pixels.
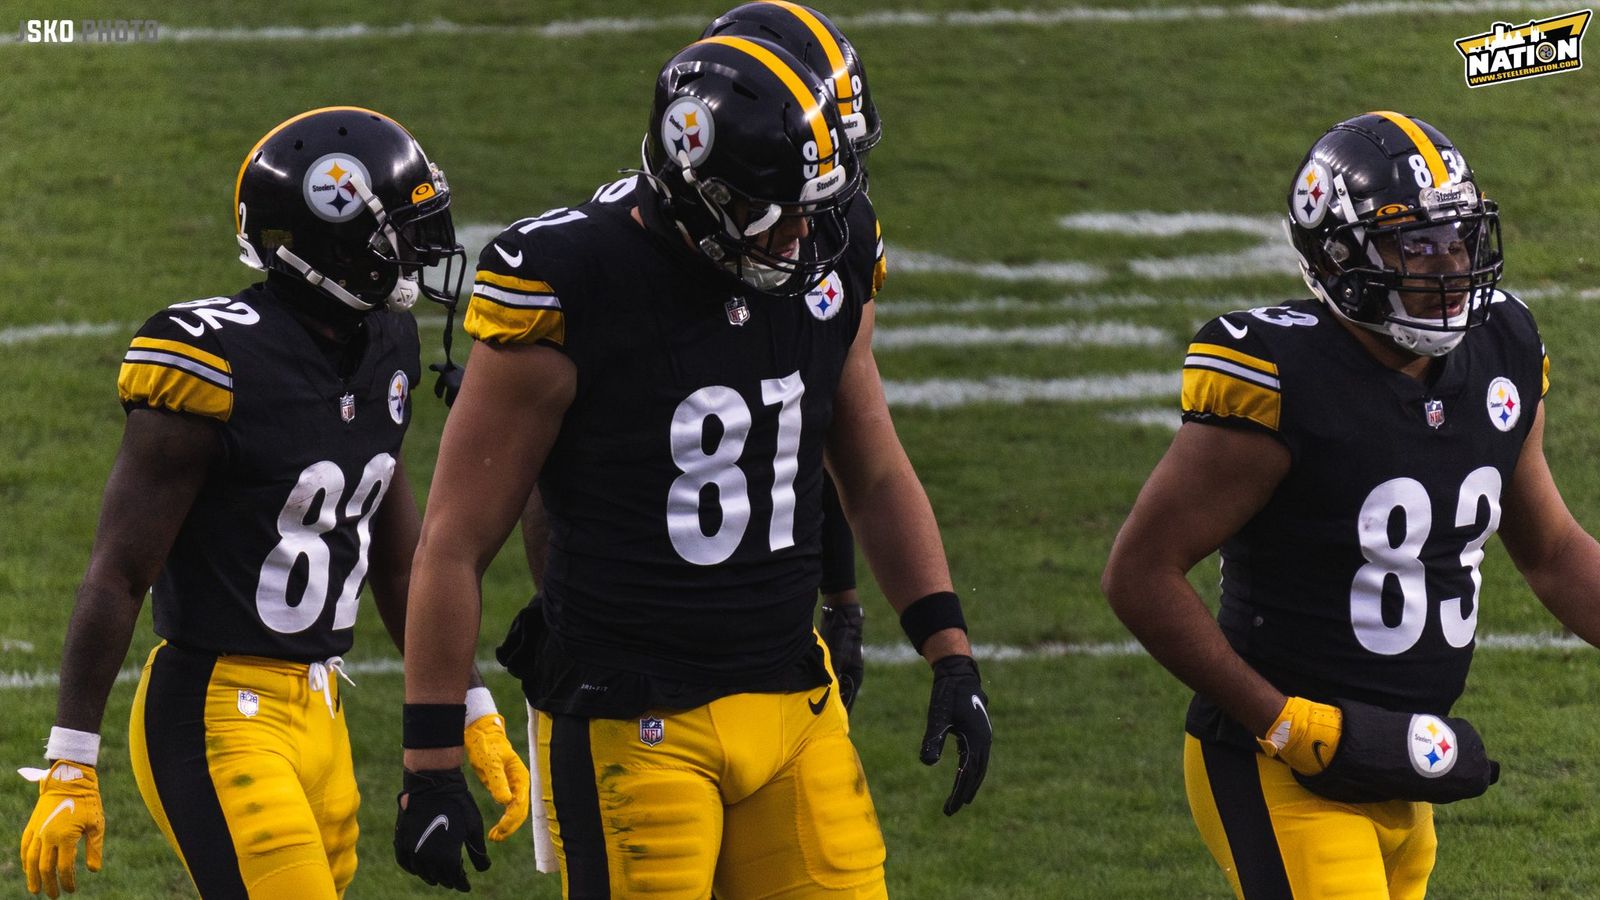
[
  {"x": 945, "y": 393},
  {"x": 1088, "y": 334},
  {"x": 891, "y": 654}
]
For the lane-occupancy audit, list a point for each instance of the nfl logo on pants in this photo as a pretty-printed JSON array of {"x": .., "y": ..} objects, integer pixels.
[{"x": 651, "y": 731}]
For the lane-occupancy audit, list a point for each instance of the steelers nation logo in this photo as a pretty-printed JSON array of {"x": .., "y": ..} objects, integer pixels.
[
  {"x": 329, "y": 188},
  {"x": 687, "y": 128}
]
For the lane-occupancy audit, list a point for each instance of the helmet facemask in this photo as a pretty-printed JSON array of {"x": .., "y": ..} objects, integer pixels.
[
  {"x": 1422, "y": 278},
  {"x": 744, "y": 241}
]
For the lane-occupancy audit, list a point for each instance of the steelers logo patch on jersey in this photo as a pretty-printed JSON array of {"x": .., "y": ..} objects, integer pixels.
[
  {"x": 1311, "y": 191},
  {"x": 399, "y": 390},
  {"x": 687, "y": 128},
  {"x": 1432, "y": 746},
  {"x": 826, "y": 299},
  {"x": 1505, "y": 404},
  {"x": 329, "y": 188}
]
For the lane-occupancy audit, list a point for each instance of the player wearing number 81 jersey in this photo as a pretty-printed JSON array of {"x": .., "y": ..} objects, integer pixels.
[
  {"x": 672, "y": 362},
  {"x": 1350, "y": 456}
]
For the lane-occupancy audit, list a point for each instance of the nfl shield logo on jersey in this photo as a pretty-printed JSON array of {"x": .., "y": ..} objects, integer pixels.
[
  {"x": 651, "y": 730},
  {"x": 249, "y": 704},
  {"x": 347, "y": 407},
  {"x": 1435, "y": 411}
]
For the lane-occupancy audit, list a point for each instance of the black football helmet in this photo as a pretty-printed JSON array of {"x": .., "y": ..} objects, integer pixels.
[
  {"x": 810, "y": 37},
  {"x": 344, "y": 199},
  {"x": 1384, "y": 209},
  {"x": 741, "y": 136}
]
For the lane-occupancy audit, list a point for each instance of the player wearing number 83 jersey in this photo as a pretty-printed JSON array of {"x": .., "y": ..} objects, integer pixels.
[{"x": 1350, "y": 456}]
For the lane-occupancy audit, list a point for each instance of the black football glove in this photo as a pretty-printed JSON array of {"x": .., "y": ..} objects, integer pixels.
[
  {"x": 958, "y": 705},
  {"x": 1386, "y": 755},
  {"x": 841, "y": 631},
  {"x": 449, "y": 383},
  {"x": 437, "y": 817}
]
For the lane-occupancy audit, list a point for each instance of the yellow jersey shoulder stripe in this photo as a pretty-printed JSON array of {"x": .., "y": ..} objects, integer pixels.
[
  {"x": 494, "y": 322},
  {"x": 1544, "y": 387},
  {"x": 178, "y": 388},
  {"x": 1224, "y": 394}
]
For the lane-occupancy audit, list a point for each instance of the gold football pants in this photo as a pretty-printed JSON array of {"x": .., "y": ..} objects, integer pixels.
[
  {"x": 1275, "y": 840},
  {"x": 750, "y": 796},
  {"x": 245, "y": 766}
]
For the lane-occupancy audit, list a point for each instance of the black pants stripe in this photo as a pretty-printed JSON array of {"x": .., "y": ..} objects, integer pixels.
[
  {"x": 1236, "y": 787},
  {"x": 577, "y": 804},
  {"x": 174, "y": 724}
]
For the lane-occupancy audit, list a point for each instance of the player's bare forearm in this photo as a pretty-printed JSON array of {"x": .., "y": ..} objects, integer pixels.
[
  {"x": 1164, "y": 613},
  {"x": 899, "y": 536},
  {"x": 395, "y": 531},
  {"x": 103, "y": 620},
  {"x": 160, "y": 467},
  {"x": 1567, "y": 581}
]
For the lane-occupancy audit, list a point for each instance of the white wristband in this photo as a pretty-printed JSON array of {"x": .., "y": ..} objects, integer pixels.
[
  {"x": 78, "y": 746},
  {"x": 480, "y": 703}
]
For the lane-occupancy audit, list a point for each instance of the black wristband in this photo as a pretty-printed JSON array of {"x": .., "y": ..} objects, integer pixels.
[
  {"x": 930, "y": 615},
  {"x": 429, "y": 726}
]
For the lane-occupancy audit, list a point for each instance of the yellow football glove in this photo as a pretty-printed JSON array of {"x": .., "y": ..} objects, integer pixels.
[
  {"x": 1305, "y": 735},
  {"x": 500, "y": 770},
  {"x": 68, "y": 809}
]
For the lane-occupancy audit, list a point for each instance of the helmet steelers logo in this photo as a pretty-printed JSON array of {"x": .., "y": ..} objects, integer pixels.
[
  {"x": 329, "y": 190},
  {"x": 1505, "y": 404},
  {"x": 399, "y": 390},
  {"x": 687, "y": 128},
  {"x": 826, "y": 299},
  {"x": 1312, "y": 188},
  {"x": 1432, "y": 746}
]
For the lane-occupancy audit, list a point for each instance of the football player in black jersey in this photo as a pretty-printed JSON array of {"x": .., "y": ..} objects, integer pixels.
[
  {"x": 651, "y": 359},
  {"x": 1350, "y": 456},
  {"x": 814, "y": 40},
  {"x": 258, "y": 486}
]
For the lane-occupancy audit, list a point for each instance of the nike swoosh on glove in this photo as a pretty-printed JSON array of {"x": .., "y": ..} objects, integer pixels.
[
  {"x": 436, "y": 819},
  {"x": 1305, "y": 735},
  {"x": 68, "y": 809},
  {"x": 958, "y": 706},
  {"x": 841, "y": 631},
  {"x": 500, "y": 770}
]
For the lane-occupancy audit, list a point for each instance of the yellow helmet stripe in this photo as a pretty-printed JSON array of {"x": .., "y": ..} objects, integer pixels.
[
  {"x": 813, "y": 109},
  {"x": 842, "y": 87},
  {"x": 268, "y": 136},
  {"x": 1430, "y": 153}
]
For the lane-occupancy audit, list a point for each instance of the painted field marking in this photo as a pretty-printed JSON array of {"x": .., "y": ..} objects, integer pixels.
[{"x": 891, "y": 654}]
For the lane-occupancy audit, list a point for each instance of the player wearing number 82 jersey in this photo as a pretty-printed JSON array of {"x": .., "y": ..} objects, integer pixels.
[{"x": 258, "y": 488}]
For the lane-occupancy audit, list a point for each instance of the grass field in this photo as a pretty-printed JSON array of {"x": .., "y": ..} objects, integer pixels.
[{"x": 1018, "y": 152}]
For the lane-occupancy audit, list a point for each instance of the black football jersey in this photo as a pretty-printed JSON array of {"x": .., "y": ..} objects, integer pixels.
[
  {"x": 272, "y": 555},
  {"x": 684, "y": 490},
  {"x": 1359, "y": 578}
]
